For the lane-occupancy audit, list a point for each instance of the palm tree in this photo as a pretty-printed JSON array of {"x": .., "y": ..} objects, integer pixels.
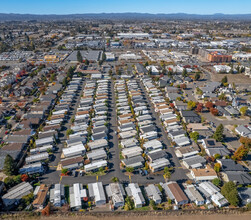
[
  {"x": 167, "y": 173},
  {"x": 115, "y": 179}
]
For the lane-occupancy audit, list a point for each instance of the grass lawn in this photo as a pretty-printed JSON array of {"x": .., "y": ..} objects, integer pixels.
[
  {"x": 7, "y": 118},
  {"x": 98, "y": 173}
]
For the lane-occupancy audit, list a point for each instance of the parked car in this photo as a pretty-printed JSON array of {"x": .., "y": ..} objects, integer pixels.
[
  {"x": 75, "y": 173},
  {"x": 149, "y": 178},
  {"x": 141, "y": 172}
]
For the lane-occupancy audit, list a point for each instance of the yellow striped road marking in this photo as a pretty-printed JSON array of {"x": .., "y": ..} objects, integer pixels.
[{"x": 61, "y": 177}]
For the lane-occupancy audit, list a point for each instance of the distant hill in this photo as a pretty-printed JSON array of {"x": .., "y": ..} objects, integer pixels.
[{"x": 126, "y": 16}]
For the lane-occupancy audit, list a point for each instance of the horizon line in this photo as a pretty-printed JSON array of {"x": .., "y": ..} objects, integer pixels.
[{"x": 159, "y": 13}]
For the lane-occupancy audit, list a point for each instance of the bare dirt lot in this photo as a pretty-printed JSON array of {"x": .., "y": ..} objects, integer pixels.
[{"x": 232, "y": 78}]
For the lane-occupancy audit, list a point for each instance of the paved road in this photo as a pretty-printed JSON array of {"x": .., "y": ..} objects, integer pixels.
[
  {"x": 53, "y": 176},
  {"x": 178, "y": 174}
]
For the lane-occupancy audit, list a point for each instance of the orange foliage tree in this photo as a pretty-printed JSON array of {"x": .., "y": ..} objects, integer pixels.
[
  {"x": 241, "y": 153},
  {"x": 214, "y": 111}
]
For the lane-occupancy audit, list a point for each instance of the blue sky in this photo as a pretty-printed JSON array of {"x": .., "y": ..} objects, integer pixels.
[{"x": 144, "y": 6}]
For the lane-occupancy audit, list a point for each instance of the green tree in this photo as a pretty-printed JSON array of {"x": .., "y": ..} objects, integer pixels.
[
  {"x": 167, "y": 173},
  {"x": 115, "y": 179},
  {"x": 79, "y": 57},
  {"x": 229, "y": 190},
  {"x": 217, "y": 182},
  {"x": 9, "y": 166},
  {"x": 101, "y": 169},
  {"x": 184, "y": 73},
  {"x": 87, "y": 62},
  {"x": 69, "y": 132},
  {"x": 218, "y": 134},
  {"x": 129, "y": 204},
  {"x": 195, "y": 136},
  {"x": 197, "y": 76},
  {"x": 17, "y": 179},
  {"x": 152, "y": 204},
  {"x": 217, "y": 156},
  {"x": 129, "y": 169},
  {"x": 9, "y": 182},
  {"x": 222, "y": 96},
  {"x": 64, "y": 171},
  {"x": 90, "y": 204},
  {"x": 224, "y": 80},
  {"x": 243, "y": 110}
]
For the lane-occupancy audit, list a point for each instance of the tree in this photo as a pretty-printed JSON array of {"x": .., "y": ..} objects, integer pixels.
[
  {"x": 217, "y": 156},
  {"x": 64, "y": 171},
  {"x": 129, "y": 204},
  {"x": 199, "y": 107},
  {"x": 195, "y": 136},
  {"x": 129, "y": 169},
  {"x": 115, "y": 179},
  {"x": 183, "y": 86},
  {"x": 217, "y": 182},
  {"x": 146, "y": 64},
  {"x": 217, "y": 167},
  {"x": 224, "y": 80},
  {"x": 152, "y": 204},
  {"x": 191, "y": 105},
  {"x": 90, "y": 204},
  {"x": 209, "y": 105},
  {"x": 9, "y": 182},
  {"x": 17, "y": 179},
  {"x": 222, "y": 96},
  {"x": 69, "y": 132},
  {"x": 241, "y": 153},
  {"x": 9, "y": 166},
  {"x": 243, "y": 110},
  {"x": 218, "y": 134},
  {"x": 229, "y": 190},
  {"x": 87, "y": 62},
  {"x": 24, "y": 177},
  {"x": 214, "y": 111},
  {"x": 46, "y": 210},
  {"x": 167, "y": 173},
  {"x": 197, "y": 76},
  {"x": 246, "y": 141},
  {"x": 79, "y": 57},
  {"x": 184, "y": 73}
]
